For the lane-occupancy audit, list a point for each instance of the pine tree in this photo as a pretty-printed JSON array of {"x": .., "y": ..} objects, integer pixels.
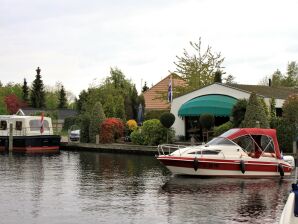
[
  {"x": 272, "y": 108},
  {"x": 37, "y": 96},
  {"x": 62, "y": 98},
  {"x": 255, "y": 112},
  {"x": 25, "y": 95},
  {"x": 145, "y": 87},
  {"x": 96, "y": 118}
]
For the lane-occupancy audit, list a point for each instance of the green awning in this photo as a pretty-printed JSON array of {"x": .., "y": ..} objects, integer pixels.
[{"x": 218, "y": 105}]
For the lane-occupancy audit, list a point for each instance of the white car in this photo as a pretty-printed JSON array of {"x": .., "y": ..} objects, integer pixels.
[{"x": 74, "y": 135}]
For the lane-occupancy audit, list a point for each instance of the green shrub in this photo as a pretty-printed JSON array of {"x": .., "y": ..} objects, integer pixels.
[
  {"x": 285, "y": 131},
  {"x": 154, "y": 133},
  {"x": 207, "y": 121},
  {"x": 137, "y": 136},
  {"x": 255, "y": 111},
  {"x": 70, "y": 121},
  {"x": 96, "y": 119},
  {"x": 167, "y": 119},
  {"x": 222, "y": 128},
  {"x": 154, "y": 114},
  {"x": 238, "y": 112},
  {"x": 84, "y": 126}
]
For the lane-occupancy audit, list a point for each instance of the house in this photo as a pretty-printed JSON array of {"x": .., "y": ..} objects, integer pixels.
[
  {"x": 156, "y": 96},
  {"x": 218, "y": 99}
]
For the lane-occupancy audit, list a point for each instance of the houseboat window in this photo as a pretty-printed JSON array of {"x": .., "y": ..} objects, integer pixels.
[
  {"x": 18, "y": 125},
  {"x": 245, "y": 142},
  {"x": 3, "y": 125},
  {"x": 35, "y": 125},
  {"x": 220, "y": 141}
]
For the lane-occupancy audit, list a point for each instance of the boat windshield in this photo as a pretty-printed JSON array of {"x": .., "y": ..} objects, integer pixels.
[{"x": 220, "y": 141}]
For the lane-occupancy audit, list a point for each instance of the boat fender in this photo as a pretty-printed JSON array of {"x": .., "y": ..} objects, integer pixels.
[
  {"x": 195, "y": 163},
  {"x": 242, "y": 166},
  {"x": 281, "y": 170}
]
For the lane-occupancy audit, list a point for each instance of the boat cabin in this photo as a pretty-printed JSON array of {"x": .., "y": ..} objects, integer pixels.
[{"x": 25, "y": 125}]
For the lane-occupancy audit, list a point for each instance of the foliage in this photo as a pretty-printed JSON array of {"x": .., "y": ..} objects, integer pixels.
[
  {"x": 154, "y": 133},
  {"x": 62, "y": 98},
  {"x": 285, "y": 131},
  {"x": 37, "y": 96},
  {"x": 137, "y": 136},
  {"x": 290, "y": 109},
  {"x": 96, "y": 118},
  {"x": 222, "y": 128},
  {"x": 207, "y": 121},
  {"x": 154, "y": 114},
  {"x": 230, "y": 79},
  {"x": 25, "y": 89},
  {"x": 167, "y": 119},
  {"x": 145, "y": 87},
  {"x": 238, "y": 112},
  {"x": 84, "y": 127},
  {"x": 6, "y": 90},
  {"x": 111, "y": 130},
  {"x": 132, "y": 125},
  {"x": 218, "y": 76},
  {"x": 255, "y": 112},
  {"x": 272, "y": 108},
  {"x": 51, "y": 98},
  {"x": 70, "y": 121},
  {"x": 262, "y": 102},
  {"x": 197, "y": 67},
  {"x": 13, "y": 103}
]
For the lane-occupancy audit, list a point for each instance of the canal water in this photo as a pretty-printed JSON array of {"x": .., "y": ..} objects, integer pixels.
[{"x": 88, "y": 187}]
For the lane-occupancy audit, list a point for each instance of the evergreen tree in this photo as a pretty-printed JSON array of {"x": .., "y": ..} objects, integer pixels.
[
  {"x": 96, "y": 118},
  {"x": 134, "y": 101},
  {"x": 145, "y": 87},
  {"x": 37, "y": 96},
  {"x": 272, "y": 108},
  {"x": 255, "y": 112},
  {"x": 25, "y": 89},
  {"x": 62, "y": 98},
  {"x": 217, "y": 76},
  {"x": 238, "y": 112}
]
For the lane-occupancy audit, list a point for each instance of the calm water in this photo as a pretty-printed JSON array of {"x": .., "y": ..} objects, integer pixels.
[{"x": 87, "y": 187}]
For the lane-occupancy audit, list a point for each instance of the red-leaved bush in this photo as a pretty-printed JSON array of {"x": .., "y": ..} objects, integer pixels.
[
  {"x": 13, "y": 103},
  {"x": 110, "y": 130}
]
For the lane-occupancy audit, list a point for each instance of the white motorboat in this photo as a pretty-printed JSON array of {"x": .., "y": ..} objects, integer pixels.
[{"x": 240, "y": 152}]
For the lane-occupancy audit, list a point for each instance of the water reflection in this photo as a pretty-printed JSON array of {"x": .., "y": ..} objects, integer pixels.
[
  {"x": 87, "y": 187},
  {"x": 225, "y": 200}
]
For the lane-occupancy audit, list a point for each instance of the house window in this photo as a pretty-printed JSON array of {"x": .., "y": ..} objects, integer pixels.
[
  {"x": 18, "y": 125},
  {"x": 3, "y": 125}
]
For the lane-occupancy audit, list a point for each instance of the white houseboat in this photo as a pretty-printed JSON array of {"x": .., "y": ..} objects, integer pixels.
[{"x": 30, "y": 134}]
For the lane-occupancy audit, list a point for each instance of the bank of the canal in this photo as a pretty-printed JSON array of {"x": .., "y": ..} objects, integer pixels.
[{"x": 114, "y": 148}]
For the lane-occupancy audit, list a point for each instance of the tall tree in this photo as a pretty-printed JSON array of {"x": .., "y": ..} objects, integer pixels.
[
  {"x": 37, "y": 96},
  {"x": 97, "y": 116},
  {"x": 217, "y": 76},
  {"x": 62, "y": 98},
  {"x": 255, "y": 112},
  {"x": 198, "y": 67},
  {"x": 25, "y": 89},
  {"x": 145, "y": 87},
  {"x": 230, "y": 79}
]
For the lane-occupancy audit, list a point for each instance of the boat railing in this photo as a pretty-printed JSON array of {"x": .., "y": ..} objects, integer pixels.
[{"x": 167, "y": 149}]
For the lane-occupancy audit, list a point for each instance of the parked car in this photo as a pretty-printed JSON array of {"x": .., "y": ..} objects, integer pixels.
[{"x": 74, "y": 135}]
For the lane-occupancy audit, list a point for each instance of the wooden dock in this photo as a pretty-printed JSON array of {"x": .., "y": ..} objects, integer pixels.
[{"x": 110, "y": 148}]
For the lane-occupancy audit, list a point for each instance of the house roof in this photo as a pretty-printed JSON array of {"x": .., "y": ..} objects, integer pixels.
[
  {"x": 61, "y": 113},
  {"x": 266, "y": 91},
  {"x": 153, "y": 96}
]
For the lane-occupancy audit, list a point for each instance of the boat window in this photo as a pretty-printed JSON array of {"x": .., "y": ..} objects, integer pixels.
[
  {"x": 3, "y": 125},
  {"x": 245, "y": 142},
  {"x": 35, "y": 125},
  {"x": 267, "y": 144},
  {"x": 18, "y": 125},
  {"x": 206, "y": 152},
  {"x": 220, "y": 141}
]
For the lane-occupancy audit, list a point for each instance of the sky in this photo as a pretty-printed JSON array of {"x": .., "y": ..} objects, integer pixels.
[{"x": 76, "y": 42}]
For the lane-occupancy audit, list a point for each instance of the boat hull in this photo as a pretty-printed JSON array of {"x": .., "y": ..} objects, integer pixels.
[
  {"x": 225, "y": 167},
  {"x": 32, "y": 144}
]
